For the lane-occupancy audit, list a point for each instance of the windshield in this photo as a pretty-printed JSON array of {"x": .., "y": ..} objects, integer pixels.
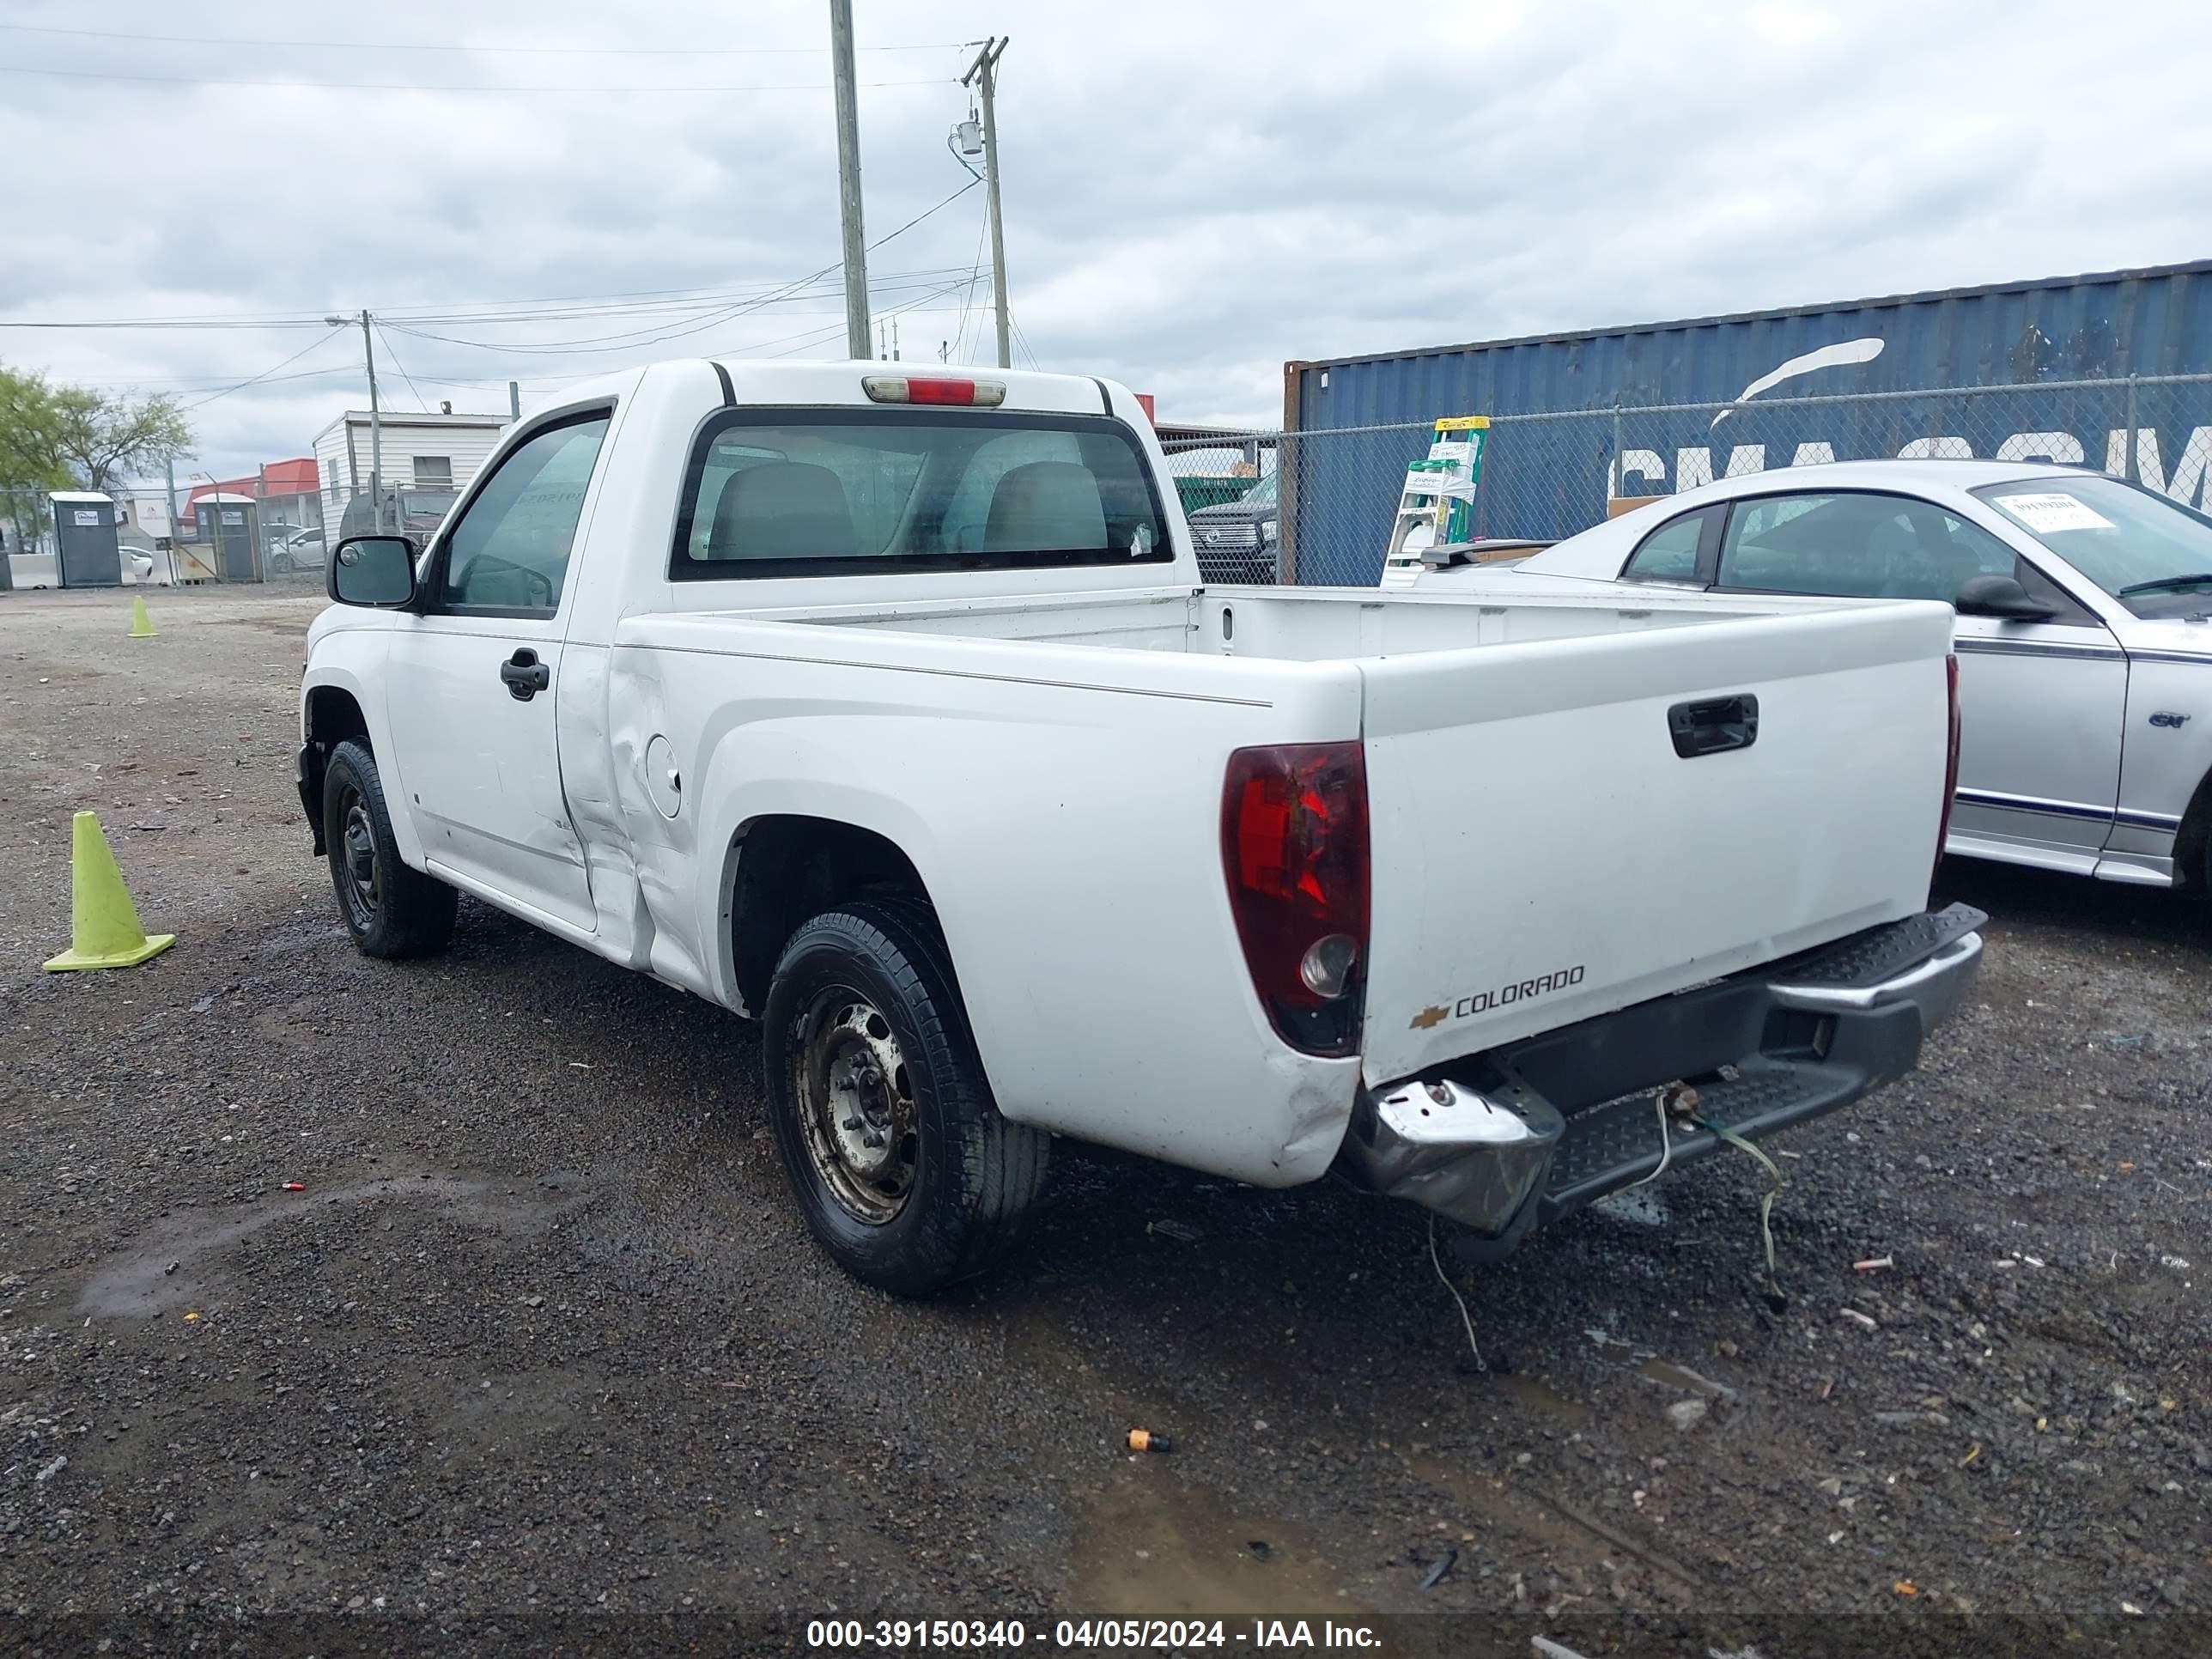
[
  {"x": 430, "y": 506},
  {"x": 2145, "y": 549},
  {"x": 1262, "y": 494}
]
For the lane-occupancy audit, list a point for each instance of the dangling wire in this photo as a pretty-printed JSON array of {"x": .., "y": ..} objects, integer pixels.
[
  {"x": 1465, "y": 1318},
  {"x": 1675, "y": 1097},
  {"x": 1766, "y": 1202}
]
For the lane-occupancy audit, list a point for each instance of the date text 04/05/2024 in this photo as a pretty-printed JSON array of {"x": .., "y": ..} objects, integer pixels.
[{"x": 854, "y": 1634}]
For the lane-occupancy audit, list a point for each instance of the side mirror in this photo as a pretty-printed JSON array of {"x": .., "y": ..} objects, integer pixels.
[
  {"x": 377, "y": 571},
  {"x": 2000, "y": 597}
]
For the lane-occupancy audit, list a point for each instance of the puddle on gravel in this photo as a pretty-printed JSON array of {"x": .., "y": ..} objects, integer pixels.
[
  {"x": 1528, "y": 1391},
  {"x": 1548, "y": 1521},
  {"x": 155, "y": 1272},
  {"x": 1152, "y": 1547},
  {"x": 1499, "y": 1504},
  {"x": 1677, "y": 1377}
]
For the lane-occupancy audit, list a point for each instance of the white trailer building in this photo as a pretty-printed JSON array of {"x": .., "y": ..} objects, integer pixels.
[{"x": 421, "y": 452}]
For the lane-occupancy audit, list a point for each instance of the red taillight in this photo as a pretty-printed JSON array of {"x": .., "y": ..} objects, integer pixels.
[
  {"x": 940, "y": 391},
  {"x": 1294, "y": 848},
  {"x": 1950, "y": 763}
]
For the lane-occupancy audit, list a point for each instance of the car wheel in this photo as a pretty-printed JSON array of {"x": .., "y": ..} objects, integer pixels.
[
  {"x": 391, "y": 910},
  {"x": 907, "y": 1176}
]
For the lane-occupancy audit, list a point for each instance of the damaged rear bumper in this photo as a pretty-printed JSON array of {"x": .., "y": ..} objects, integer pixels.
[{"x": 1513, "y": 1139}]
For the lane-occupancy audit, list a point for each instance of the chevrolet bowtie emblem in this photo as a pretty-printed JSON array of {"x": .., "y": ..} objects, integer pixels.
[{"x": 1428, "y": 1017}]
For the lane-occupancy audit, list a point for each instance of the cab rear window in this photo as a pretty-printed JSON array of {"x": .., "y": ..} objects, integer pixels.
[{"x": 856, "y": 492}]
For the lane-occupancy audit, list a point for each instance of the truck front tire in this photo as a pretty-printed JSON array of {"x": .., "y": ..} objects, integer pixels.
[
  {"x": 908, "y": 1175},
  {"x": 391, "y": 910}
]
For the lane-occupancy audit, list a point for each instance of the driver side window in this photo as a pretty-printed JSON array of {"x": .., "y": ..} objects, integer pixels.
[{"x": 509, "y": 549}]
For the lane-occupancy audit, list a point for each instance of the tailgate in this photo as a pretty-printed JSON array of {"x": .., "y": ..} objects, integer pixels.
[{"x": 1542, "y": 853}]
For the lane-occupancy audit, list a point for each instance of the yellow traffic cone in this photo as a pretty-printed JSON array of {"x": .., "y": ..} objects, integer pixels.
[
  {"x": 142, "y": 625},
  {"x": 103, "y": 924}
]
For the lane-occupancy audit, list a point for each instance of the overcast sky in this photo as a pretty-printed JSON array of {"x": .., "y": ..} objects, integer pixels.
[{"x": 1194, "y": 193}]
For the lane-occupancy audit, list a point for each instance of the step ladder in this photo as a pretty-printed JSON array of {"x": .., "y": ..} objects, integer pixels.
[
  {"x": 1436, "y": 505},
  {"x": 1422, "y": 506}
]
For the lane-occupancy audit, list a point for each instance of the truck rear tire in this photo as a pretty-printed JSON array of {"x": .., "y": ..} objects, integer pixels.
[
  {"x": 391, "y": 910},
  {"x": 906, "y": 1172}
]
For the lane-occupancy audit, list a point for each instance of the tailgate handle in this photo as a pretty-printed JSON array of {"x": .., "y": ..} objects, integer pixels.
[{"x": 1713, "y": 726}]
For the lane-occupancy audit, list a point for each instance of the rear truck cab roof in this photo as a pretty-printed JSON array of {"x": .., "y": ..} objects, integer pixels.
[
  {"x": 770, "y": 678},
  {"x": 663, "y": 416}
]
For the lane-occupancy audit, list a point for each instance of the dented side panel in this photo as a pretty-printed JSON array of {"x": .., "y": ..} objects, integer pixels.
[{"x": 1067, "y": 833}]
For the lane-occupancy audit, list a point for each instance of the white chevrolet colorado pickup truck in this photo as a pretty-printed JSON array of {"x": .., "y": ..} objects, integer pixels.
[{"x": 891, "y": 710}]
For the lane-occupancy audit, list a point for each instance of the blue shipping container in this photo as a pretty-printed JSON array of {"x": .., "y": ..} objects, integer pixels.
[{"x": 1767, "y": 379}]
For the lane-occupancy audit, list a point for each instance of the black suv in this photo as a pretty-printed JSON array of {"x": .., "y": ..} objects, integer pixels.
[{"x": 1237, "y": 541}]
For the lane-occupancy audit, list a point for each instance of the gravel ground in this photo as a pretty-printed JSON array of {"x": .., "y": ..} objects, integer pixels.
[{"x": 542, "y": 1341}]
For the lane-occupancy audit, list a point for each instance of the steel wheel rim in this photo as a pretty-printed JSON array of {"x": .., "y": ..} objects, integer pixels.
[
  {"x": 359, "y": 880},
  {"x": 856, "y": 1106}
]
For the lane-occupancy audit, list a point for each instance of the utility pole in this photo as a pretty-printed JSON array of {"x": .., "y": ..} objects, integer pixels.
[
  {"x": 514, "y": 400},
  {"x": 176, "y": 530},
  {"x": 848, "y": 180},
  {"x": 985, "y": 72},
  {"x": 375, "y": 422}
]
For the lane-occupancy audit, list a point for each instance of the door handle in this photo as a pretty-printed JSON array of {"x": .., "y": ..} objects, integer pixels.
[
  {"x": 525, "y": 675},
  {"x": 1713, "y": 726}
]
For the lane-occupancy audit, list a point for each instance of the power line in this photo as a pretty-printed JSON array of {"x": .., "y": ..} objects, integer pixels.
[
  {"x": 408, "y": 86},
  {"x": 918, "y": 305},
  {"x": 968, "y": 299},
  {"x": 815, "y": 336},
  {"x": 656, "y": 335},
  {"x": 160, "y": 322},
  {"x": 633, "y": 338},
  {"x": 666, "y": 329},
  {"x": 821, "y": 335},
  {"x": 402, "y": 368},
  {"x": 425, "y": 46},
  {"x": 648, "y": 299},
  {"x": 263, "y": 375},
  {"x": 924, "y": 214},
  {"x": 185, "y": 385},
  {"x": 461, "y": 310}
]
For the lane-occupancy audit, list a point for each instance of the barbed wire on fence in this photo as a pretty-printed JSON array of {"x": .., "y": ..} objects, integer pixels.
[{"x": 1330, "y": 492}]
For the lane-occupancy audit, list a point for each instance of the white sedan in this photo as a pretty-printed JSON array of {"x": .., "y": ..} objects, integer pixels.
[{"x": 2084, "y": 633}]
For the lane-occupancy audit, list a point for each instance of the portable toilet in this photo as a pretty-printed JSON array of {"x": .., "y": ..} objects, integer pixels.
[
  {"x": 230, "y": 525},
  {"x": 86, "y": 553}
]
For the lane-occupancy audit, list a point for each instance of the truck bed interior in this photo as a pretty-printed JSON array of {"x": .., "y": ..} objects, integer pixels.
[{"x": 1291, "y": 625}]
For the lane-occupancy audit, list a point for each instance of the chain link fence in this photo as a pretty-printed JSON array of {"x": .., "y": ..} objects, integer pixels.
[
  {"x": 251, "y": 533},
  {"x": 1315, "y": 507}
]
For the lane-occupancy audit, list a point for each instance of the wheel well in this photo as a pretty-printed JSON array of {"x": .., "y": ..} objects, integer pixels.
[
  {"x": 790, "y": 868},
  {"x": 333, "y": 717},
  {"x": 2191, "y": 867}
]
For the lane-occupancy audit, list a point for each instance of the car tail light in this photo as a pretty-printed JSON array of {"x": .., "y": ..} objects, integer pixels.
[
  {"x": 933, "y": 389},
  {"x": 1950, "y": 764},
  {"x": 1294, "y": 848}
]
